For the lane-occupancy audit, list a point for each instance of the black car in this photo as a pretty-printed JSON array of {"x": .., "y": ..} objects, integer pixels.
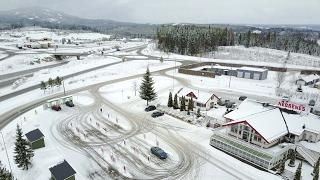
[
  {"x": 157, "y": 114},
  {"x": 159, "y": 152},
  {"x": 242, "y": 98},
  {"x": 230, "y": 104},
  {"x": 150, "y": 108},
  {"x": 69, "y": 103}
]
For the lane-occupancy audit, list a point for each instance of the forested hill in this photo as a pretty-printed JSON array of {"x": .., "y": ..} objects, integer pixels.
[{"x": 196, "y": 40}]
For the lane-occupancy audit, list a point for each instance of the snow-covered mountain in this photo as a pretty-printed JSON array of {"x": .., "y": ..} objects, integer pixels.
[{"x": 35, "y": 15}]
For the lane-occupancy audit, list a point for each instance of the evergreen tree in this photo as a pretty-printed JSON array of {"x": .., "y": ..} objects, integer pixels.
[
  {"x": 175, "y": 102},
  {"x": 198, "y": 112},
  {"x": 316, "y": 176},
  {"x": 190, "y": 104},
  {"x": 316, "y": 168},
  {"x": 43, "y": 85},
  {"x": 281, "y": 166},
  {"x": 22, "y": 150},
  {"x": 58, "y": 81},
  {"x": 51, "y": 82},
  {"x": 248, "y": 39},
  {"x": 292, "y": 158},
  {"x": 170, "y": 104},
  {"x": 297, "y": 175},
  {"x": 182, "y": 104},
  {"x": 5, "y": 174},
  {"x": 161, "y": 59},
  {"x": 147, "y": 91}
]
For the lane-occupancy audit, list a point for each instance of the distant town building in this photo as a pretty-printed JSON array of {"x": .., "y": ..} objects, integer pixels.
[
  {"x": 62, "y": 171},
  {"x": 203, "y": 100},
  {"x": 36, "y": 138}
]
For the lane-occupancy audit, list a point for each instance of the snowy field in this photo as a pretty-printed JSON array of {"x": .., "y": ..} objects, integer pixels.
[
  {"x": 261, "y": 55},
  {"x": 23, "y": 62},
  {"x": 200, "y": 160}
]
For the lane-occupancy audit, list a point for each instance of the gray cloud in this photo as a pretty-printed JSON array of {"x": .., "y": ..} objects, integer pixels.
[{"x": 175, "y": 11}]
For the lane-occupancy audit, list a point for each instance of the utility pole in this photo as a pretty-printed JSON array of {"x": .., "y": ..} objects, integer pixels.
[
  {"x": 5, "y": 147},
  {"x": 64, "y": 89},
  {"x": 230, "y": 77}
]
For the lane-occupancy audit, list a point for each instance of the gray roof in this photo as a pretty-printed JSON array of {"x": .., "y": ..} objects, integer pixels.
[
  {"x": 34, "y": 135},
  {"x": 62, "y": 171}
]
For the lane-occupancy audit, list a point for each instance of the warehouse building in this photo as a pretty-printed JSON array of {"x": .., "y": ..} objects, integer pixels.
[{"x": 252, "y": 73}]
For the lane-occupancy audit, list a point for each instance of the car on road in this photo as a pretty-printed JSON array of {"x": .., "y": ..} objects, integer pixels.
[
  {"x": 70, "y": 103},
  {"x": 159, "y": 152},
  {"x": 242, "y": 98},
  {"x": 157, "y": 114},
  {"x": 56, "y": 107},
  {"x": 150, "y": 108}
]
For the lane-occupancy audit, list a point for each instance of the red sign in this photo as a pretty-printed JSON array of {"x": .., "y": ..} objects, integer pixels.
[{"x": 291, "y": 106}]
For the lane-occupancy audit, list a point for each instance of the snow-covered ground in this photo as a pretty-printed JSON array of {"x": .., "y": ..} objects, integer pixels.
[
  {"x": 206, "y": 160},
  {"x": 122, "y": 108},
  {"x": 309, "y": 63},
  {"x": 56, "y": 149},
  {"x": 23, "y": 62},
  {"x": 259, "y": 54}
]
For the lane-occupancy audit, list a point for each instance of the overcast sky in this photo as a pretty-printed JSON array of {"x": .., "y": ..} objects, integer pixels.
[{"x": 178, "y": 11}]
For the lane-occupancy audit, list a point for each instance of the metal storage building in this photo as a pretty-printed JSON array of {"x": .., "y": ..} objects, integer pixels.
[{"x": 252, "y": 73}]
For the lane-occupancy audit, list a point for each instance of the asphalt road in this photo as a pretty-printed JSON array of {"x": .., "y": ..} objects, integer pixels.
[{"x": 4, "y": 81}]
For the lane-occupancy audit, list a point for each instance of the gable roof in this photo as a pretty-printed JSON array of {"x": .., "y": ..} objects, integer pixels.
[
  {"x": 34, "y": 135},
  {"x": 309, "y": 78},
  {"x": 266, "y": 121},
  {"x": 271, "y": 122},
  {"x": 62, "y": 171},
  {"x": 200, "y": 96}
]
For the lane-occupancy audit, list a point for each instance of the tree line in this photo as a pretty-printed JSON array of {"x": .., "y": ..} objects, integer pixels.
[
  {"x": 293, "y": 42},
  {"x": 193, "y": 40},
  {"x": 51, "y": 83},
  {"x": 196, "y": 40}
]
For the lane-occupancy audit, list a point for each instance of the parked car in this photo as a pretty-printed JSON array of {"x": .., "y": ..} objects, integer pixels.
[
  {"x": 157, "y": 114},
  {"x": 299, "y": 89},
  {"x": 150, "y": 108},
  {"x": 230, "y": 104},
  {"x": 159, "y": 152},
  {"x": 285, "y": 98},
  {"x": 70, "y": 103},
  {"x": 56, "y": 107},
  {"x": 242, "y": 98},
  {"x": 222, "y": 102}
]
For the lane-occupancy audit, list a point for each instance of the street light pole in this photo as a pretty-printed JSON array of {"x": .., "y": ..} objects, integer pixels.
[
  {"x": 5, "y": 147},
  {"x": 64, "y": 89},
  {"x": 230, "y": 78}
]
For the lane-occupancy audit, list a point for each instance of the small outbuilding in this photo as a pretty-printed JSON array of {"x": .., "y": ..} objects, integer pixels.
[
  {"x": 308, "y": 80},
  {"x": 62, "y": 171},
  {"x": 36, "y": 138}
]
